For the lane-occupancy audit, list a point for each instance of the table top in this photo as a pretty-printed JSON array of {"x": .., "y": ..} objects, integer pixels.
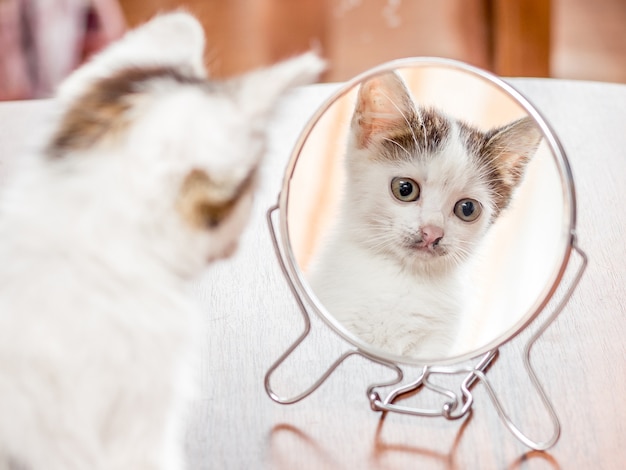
[{"x": 251, "y": 318}]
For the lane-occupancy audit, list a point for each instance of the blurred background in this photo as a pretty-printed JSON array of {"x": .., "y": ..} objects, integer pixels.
[{"x": 41, "y": 41}]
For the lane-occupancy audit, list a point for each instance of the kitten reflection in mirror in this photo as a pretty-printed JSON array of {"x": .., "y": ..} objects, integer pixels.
[
  {"x": 148, "y": 175},
  {"x": 422, "y": 190}
]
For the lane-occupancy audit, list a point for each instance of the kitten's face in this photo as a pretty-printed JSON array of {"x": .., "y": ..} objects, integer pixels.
[
  {"x": 424, "y": 188},
  {"x": 180, "y": 150}
]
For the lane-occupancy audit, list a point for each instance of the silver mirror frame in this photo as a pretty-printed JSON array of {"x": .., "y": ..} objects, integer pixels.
[
  {"x": 569, "y": 222},
  {"x": 457, "y": 405}
]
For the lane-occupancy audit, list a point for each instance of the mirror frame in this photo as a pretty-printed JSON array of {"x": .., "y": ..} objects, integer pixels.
[{"x": 568, "y": 226}]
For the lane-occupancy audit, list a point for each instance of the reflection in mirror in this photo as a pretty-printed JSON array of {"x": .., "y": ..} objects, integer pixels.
[{"x": 426, "y": 215}]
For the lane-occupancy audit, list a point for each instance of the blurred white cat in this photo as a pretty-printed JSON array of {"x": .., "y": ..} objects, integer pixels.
[{"x": 148, "y": 175}]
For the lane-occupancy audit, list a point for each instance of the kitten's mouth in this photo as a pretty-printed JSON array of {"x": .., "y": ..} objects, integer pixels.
[
  {"x": 427, "y": 251},
  {"x": 430, "y": 251}
]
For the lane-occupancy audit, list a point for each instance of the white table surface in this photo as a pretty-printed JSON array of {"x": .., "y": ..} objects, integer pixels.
[{"x": 251, "y": 318}]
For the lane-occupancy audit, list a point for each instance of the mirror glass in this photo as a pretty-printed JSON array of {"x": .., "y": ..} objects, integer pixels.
[{"x": 426, "y": 212}]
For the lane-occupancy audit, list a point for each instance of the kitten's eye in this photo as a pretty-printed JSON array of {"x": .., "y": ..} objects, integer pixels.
[
  {"x": 468, "y": 209},
  {"x": 405, "y": 189}
]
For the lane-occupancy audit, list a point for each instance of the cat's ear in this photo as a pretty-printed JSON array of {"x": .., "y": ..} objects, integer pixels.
[
  {"x": 171, "y": 40},
  {"x": 512, "y": 146},
  {"x": 256, "y": 92},
  {"x": 383, "y": 104}
]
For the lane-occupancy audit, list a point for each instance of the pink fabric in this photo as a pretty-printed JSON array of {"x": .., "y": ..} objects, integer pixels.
[{"x": 42, "y": 41}]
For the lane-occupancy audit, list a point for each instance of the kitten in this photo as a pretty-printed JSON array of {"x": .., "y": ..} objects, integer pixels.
[
  {"x": 422, "y": 190},
  {"x": 148, "y": 175}
]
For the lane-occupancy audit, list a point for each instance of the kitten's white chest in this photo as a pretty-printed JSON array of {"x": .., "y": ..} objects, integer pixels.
[{"x": 382, "y": 304}]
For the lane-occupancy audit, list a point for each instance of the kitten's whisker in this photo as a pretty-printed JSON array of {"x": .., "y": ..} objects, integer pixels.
[
  {"x": 423, "y": 124},
  {"x": 408, "y": 123},
  {"x": 458, "y": 257},
  {"x": 396, "y": 143},
  {"x": 379, "y": 241}
]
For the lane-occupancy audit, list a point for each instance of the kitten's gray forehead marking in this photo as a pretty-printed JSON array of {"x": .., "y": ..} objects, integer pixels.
[
  {"x": 473, "y": 139},
  {"x": 103, "y": 109},
  {"x": 425, "y": 133}
]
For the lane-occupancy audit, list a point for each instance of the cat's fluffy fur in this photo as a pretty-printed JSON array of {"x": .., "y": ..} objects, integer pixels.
[
  {"x": 147, "y": 176},
  {"x": 394, "y": 272}
]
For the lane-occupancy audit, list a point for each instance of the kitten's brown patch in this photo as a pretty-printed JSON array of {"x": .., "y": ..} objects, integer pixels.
[
  {"x": 103, "y": 109},
  {"x": 423, "y": 135},
  {"x": 199, "y": 203},
  {"x": 504, "y": 153}
]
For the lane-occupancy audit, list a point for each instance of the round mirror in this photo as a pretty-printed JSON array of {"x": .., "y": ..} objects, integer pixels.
[{"x": 427, "y": 212}]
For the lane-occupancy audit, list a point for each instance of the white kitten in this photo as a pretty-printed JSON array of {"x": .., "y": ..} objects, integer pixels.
[
  {"x": 149, "y": 175},
  {"x": 422, "y": 189}
]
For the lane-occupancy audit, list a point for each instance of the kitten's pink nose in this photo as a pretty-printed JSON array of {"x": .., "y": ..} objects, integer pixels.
[{"x": 431, "y": 235}]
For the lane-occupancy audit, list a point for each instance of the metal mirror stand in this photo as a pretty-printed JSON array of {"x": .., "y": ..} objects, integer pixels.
[{"x": 456, "y": 405}]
